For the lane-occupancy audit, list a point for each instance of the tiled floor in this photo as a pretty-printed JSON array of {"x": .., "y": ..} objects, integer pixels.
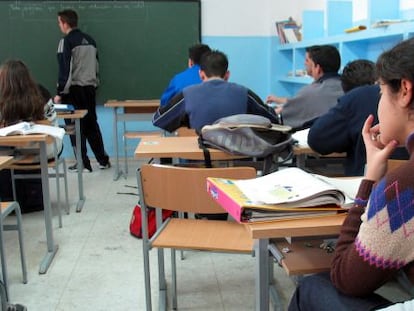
[{"x": 99, "y": 264}]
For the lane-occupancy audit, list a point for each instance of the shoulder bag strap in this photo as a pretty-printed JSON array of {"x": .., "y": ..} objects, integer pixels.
[{"x": 206, "y": 152}]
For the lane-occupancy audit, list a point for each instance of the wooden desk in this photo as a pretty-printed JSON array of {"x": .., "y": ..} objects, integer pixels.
[
  {"x": 77, "y": 115},
  {"x": 262, "y": 232},
  {"x": 185, "y": 147},
  {"x": 20, "y": 140},
  {"x": 4, "y": 161},
  {"x": 302, "y": 151},
  {"x": 129, "y": 110}
]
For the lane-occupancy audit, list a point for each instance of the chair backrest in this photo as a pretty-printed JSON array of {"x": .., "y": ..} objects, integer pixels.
[{"x": 185, "y": 188}]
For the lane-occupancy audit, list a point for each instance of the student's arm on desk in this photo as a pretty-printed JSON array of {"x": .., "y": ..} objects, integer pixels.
[{"x": 172, "y": 116}]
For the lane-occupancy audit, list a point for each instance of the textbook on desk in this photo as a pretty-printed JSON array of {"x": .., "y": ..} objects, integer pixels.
[
  {"x": 25, "y": 128},
  {"x": 288, "y": 193}
]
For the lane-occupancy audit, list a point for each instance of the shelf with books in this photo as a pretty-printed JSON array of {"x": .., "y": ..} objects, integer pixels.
[
  {"x": 367, "y": 44},
  {"x": 288, "y": 31}
]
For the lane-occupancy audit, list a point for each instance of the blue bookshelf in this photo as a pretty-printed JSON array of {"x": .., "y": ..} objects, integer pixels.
[
  {"x": 366, "y": 44},
  {"x": 342, "y": 19}
]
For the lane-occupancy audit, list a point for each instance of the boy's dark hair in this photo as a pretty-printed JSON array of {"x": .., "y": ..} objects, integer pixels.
[
  {"x": 326, "y": 56},
  {"x": 395, "y": 64},
  {"x": 357, "y": 73},
  {"x": 70, "y": 17},
  {"x": 196, "y": 51},
  {"x": 214, "y": 64}
]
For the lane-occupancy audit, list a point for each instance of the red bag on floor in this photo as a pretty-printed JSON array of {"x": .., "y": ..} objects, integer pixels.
[{"x": 135, "y": 225}]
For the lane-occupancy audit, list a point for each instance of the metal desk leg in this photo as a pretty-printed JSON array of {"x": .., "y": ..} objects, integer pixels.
[
  {"x": 262, "y": 274},
  {"x": 51, "y": 247},
  {"x": 115, "y": 131},
  {"x": 124, "y": 141},
  {"x": 275, "y": 255},
  {"x": 81, "y": 201},
  {"x": 301, "y": 160},
  {"x": 162, "y": 283}
]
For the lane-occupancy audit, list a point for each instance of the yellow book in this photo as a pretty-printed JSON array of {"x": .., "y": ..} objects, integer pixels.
[{"x": 242, "y": 208}]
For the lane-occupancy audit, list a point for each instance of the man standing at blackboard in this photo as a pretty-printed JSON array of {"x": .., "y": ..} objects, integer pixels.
[{"x": 77, "y": 81}]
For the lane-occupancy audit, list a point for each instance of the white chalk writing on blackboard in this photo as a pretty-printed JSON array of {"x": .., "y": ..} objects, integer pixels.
[{"x": 30, "y": 9}]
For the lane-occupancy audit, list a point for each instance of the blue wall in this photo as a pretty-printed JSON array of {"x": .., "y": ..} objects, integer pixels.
[{"x": 249, "y": 59}]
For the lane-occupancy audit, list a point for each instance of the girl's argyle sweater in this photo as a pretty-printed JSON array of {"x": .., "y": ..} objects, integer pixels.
[{"x": 377, "y": 238}]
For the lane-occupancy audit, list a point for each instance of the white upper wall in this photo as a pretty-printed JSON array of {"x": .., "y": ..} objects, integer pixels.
[
  {"x": 234, "y": 17},
  {"x": 250, "y": 17},
  {"x": 257, "y": 17},
  {"x": 360, "y": 8},
  {"x": 406, "y": 4}
]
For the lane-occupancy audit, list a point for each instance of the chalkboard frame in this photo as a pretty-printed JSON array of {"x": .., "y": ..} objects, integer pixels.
[{"x": 36, "y": 43}]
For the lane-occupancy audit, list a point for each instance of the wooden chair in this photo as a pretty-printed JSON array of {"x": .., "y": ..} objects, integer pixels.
[
  {"x": 183, "y": 189},
  {"x": 6, "y": 209}
]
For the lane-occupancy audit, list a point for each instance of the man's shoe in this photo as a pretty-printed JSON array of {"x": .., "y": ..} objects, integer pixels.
[
  {"x": 74, "y": 168},
  {"x": 105, "y": 166},
  {"x": 16, "y": 307}
]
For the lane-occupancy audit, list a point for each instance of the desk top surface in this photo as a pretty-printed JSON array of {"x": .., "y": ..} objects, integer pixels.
[
  {"x": 5, "y": 140},
  {"x": 306, "y": 227},
  {"x": 5, "y": 160},
  {"x": 305, "y": 149},
  {"x": 177, "y": 147},
  {"x": 77, "y": 114},
  {"x": 133, "y": 103}
]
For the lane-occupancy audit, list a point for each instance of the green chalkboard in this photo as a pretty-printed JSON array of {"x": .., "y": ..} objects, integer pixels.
[{"x": 141, "y": 44}]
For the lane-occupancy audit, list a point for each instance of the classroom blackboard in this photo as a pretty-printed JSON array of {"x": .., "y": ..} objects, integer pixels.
[{"x": 141, "y": 44}]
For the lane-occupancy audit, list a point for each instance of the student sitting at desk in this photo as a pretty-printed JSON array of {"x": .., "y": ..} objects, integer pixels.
[
  {"x": 377, "y": 238},
  {"x": 339, "y": 130},
  {"x": 202, "y": 104},
  {"x": 188, "y": 77},
  {"x": 21, "y": 99},
  {"x": 322, "y": 64}
]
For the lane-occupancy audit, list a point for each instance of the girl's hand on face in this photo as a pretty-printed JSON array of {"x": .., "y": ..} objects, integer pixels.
[{"x": 377, "y": 152}]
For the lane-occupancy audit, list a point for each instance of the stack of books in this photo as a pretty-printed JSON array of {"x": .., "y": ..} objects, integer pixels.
[
  {"x": 288, "y": 31},
  {"x": 64, "y": 108},
  {"x": 289, "y": 193}
]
